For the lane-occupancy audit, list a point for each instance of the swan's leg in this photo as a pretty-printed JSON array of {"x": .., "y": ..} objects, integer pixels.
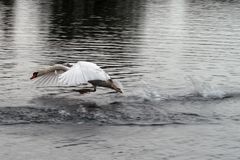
[
  {"x": 94, "y": 88},
  {"x": 86, "y": 90}
]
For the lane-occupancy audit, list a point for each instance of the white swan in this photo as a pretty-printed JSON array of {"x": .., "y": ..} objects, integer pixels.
[{"x": 80, "y": 73}]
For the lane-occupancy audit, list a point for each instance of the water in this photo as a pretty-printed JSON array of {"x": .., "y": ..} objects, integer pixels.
[{"x": 178, "y": 61}]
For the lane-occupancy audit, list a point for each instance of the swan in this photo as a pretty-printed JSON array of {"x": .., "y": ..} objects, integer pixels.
[{"x": 80, "y": 73}]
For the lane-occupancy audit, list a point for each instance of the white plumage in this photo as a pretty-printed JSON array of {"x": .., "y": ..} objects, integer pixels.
[{"x": 80, "y": 73}]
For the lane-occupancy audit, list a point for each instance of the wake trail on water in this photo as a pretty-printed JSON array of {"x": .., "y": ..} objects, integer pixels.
[{"x": 149, "y": 107}]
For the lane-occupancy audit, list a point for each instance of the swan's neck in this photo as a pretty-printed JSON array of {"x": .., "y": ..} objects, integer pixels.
[
  {"x": 58, "y": 67},
  {"x": 53, "y": 68}
]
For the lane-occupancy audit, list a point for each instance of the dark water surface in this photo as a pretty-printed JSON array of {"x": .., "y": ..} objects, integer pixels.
[{"x": 178, "y": 61}]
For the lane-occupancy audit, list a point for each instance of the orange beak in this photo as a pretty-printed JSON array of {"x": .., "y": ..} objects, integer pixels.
[{"x": 33, "y": 77}]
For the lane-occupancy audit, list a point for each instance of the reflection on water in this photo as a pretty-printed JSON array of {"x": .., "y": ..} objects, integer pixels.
[
  {"x": 151, "y": 46},
  {"x": 146, "y": 44},
  {"x": 178, "y": 61},
  {"x": 38, "y": 33}
]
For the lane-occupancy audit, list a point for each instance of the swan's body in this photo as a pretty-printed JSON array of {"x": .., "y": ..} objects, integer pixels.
[{"x": 80, "y": 73}]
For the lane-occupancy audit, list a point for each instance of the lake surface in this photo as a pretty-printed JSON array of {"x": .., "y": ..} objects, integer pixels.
[{"x": 178, "y": 61}]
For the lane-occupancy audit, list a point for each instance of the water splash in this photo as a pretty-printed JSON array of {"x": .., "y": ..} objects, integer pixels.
[
  {"x": 150, "y": 92},
  {"x": 205, "y": 89}
]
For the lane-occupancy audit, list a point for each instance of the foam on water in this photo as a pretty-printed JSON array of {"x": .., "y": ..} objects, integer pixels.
[
  {"x": 205, "y": 89},
  {"x": 153, "y": 108}
]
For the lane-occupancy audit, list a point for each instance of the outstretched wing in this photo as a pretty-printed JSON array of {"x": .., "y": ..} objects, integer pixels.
[
  {"x": 49, "y": 79},
  {"x": 81, "y": 73}
]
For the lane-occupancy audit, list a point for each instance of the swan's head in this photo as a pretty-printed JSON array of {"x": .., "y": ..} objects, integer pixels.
[
  {"x": 37, "y": 74},
  {"x": 115, "y": 85}
]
